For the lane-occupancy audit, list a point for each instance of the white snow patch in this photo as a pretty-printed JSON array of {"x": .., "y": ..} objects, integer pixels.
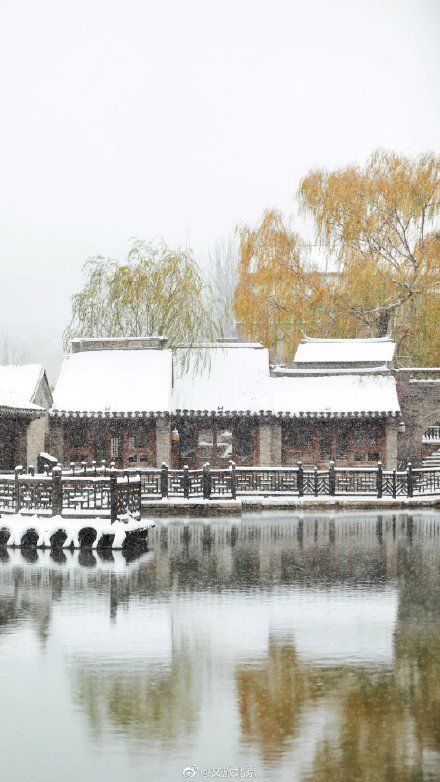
[
  {"x": 335, "y": 394},
  {"x": 234, "y": 379},
  {"x": 115, "y": 381},
  {"x": 18, "y": 525},
  {"x": 18, "y": 385},
  {"x": 378, "y": 350}
]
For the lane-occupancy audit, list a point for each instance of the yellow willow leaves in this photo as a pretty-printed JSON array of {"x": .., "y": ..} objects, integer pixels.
[
  {"x": 376, "y": 226},
  {"x": 278, "y": 295}
]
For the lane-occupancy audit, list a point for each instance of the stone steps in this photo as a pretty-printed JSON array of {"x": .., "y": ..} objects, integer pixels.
[{"x": 433, "y": 460}]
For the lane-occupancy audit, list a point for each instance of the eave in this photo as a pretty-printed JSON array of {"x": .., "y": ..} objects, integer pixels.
[
  {"x": 107, "y": 414},
  {"x": 22, "y": 412}
]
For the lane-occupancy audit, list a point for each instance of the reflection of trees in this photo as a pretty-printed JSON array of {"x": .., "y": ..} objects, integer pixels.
[
  {"x": 271, "y": 696},
  {"x": 145, "y": 703},
  {"x": 380, "y": 721},
  {"x": 375, "y": 738},
  {"x": 385, "y": 719},
  {"x": 375, "y": 735},
  {"x": 417, "y": 639}
]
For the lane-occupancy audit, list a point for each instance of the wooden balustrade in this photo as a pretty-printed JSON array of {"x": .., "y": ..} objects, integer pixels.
[{"x": 111, "y": 492}]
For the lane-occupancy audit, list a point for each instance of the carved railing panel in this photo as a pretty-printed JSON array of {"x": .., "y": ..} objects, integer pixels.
[
  {"x": 276, "y": 481},
  {"x": 426, "y": 481},
  {"x": 35, "y": 493},
  {"x": 175, "y": 483},
  {"x": 195, "y": 486},
  {"x": 128, "y": 493},
  {"x": 150, "y": 483},
  {"x": 310, "y": 482},
  {"x": 7, "y": 493},
  {"x": 394, "y": 483},
  {"x": 221, "y": 483},
  {"x": 323, "y": 479},
  {"x": 86, "y": 493},
  {"x": 355, "y": 481}
]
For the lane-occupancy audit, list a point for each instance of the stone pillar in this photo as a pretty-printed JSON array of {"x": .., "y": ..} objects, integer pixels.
[
  {"x": 57, "y": 440},
  {"x": 265, "y": 432},
  {"x": 163, "y": 441},
  {"x": 36, "y": 431},
  {"x": 391, "y": 443},
  {"x": 22, "y": 444},
  {"x": 275, "y": 450}
]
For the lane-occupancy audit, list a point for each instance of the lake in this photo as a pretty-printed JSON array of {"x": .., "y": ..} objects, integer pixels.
[{"x": 275, "y": 647}]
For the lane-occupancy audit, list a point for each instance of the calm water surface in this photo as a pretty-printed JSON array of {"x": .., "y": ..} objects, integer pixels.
[{"x": 284, "y": 648}]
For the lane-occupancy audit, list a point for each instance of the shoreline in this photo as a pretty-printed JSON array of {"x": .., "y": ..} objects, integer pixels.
[{"x": 194, "y": 508}]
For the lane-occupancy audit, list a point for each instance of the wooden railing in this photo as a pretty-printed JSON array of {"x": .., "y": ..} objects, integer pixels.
[
  {"x": 56, "y": 492},
  {"x": 295, "y": 481},
  {"x": 111, "y": 493}
]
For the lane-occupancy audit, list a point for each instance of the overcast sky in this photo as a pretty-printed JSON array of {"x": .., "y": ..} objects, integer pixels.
[{"x": 182, "y": 118}]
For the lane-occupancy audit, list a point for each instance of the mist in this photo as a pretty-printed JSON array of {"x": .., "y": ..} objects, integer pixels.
[{"x": 182, "y": 120}]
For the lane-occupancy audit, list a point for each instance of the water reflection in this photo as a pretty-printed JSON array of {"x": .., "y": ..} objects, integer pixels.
[{"x": 308, "y": 648}]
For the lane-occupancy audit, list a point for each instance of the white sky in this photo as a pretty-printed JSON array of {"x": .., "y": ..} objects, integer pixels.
[{"x": 182, "y": 118}]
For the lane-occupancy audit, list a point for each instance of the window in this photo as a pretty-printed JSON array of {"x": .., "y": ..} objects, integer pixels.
[
  {"x": 115, "y": 447},
  {"x": 143, "y": 458},
  {"x": 326, "y": 446},
  {"x": 360, "y": 457},
  {"x": 101, "y": 448},
  {"x": 188, "y": 442},
  {"x": 79, "y": 437},
  {"x": 373, "y": 456},
  {"x": 224, "y": 445},
  {"x": 299, "y": 438},
  {"x": 341, "y": 444},
  {"x": 243, "y": 441},
  {"x": 205, "y": 444},
  {"x": 138, "y": 440},
  {"x": 132, "y": 459},
  {"x": 366, "y": 436}
]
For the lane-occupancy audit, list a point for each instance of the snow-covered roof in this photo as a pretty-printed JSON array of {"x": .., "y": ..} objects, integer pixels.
[
  {"x": 115, "y": 382},
  {"x": 335, "y": 395},
  {"x": 343, "y": 351},
  {"x": 229, "y": 378},
  {"x": 224, "y": 379},
  {"x": 18, "y": 386}
]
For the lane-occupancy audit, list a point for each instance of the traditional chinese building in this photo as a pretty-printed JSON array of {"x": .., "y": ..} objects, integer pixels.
[
  {"x": 24, "y": 400},
  {"x": 343, "y": 403},
  {"x": 136, "y": 402},
  {"x": 112, "y": 401}
]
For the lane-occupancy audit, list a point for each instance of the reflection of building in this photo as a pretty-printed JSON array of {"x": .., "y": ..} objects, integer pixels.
[
  {"x": 316, "y": 654},
  {"x": 24, "y": 399},
  {"x": 119, "y": 399}
]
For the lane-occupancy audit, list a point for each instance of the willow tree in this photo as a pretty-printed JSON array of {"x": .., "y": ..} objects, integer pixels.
[
  {"x": 379, "y": 224},
  {"x": 154, "y": 291},
  {"x": 279, "y": 293}
]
